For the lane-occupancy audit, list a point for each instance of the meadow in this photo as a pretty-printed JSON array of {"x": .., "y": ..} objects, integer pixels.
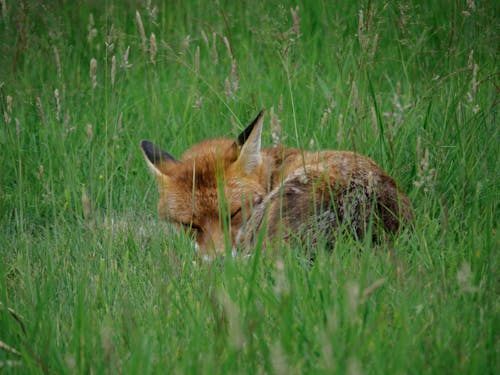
[{"x": 91, "y": 281}]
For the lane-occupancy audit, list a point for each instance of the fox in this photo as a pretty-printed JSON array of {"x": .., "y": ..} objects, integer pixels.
[{"x": 233, "y": 192}]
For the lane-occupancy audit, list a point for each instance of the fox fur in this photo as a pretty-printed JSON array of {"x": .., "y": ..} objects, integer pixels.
[{"x": 232, "y": 192}]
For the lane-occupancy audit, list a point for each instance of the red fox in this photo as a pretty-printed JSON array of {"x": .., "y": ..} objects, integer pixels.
[{"x": 226, "y": 192}]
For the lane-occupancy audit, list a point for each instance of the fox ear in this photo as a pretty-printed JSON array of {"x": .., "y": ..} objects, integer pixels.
[
  {"x": 249, "y": 141},
  {"x": 155, "y": 157}
]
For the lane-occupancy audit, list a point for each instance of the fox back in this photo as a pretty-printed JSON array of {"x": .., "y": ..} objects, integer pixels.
[{"x": 223, "y": 191}]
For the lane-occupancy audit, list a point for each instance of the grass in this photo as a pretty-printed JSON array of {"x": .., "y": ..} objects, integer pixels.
[{"x": 99, "y": 284}]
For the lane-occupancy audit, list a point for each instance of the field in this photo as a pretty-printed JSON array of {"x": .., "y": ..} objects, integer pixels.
[{"x": 91, "y": 281}]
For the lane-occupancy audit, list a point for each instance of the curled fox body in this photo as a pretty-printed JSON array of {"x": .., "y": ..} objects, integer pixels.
[{"x": 227, "y": 192}]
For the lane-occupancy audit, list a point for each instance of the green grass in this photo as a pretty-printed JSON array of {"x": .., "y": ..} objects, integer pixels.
[{"x": 99, "y": 284}]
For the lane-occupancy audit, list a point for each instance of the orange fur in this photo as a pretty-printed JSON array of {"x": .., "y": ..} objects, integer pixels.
[{"x": 225, "y": 186}]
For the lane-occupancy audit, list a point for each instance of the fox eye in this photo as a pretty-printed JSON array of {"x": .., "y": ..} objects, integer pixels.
[
  {"x": 191, "y": 226},
  {"x": 257, "y": 199},
  {"x": 235, "y": 212}
]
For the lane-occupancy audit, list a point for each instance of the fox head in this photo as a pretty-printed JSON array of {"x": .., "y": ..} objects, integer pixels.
[{"x": 211, "y": 189}]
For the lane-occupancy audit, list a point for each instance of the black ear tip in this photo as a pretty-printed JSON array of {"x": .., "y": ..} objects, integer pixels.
[
  {"x": 150, "y": 151},
  {"x": 154, "y": 153},
  {"x": 246, "y": 133},
  {"x": 146, "y": 144}
]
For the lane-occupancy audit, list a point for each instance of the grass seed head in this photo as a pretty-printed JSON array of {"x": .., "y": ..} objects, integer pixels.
[
  {"x": 197, "y": 60},
  {"x": 40, "y": 110},
  {"x": 57, "y": 60},
  {"x": 125, "y": 64},
  {"x": 227, "y": 89},
  {"x": 113, "y": 70},
  {"x": 228, "y": 47},
  {"x": 215, "y": 56},
  {"x": 153, "y": 48},
  {"x": 86, "y": 205},
  {"x": 58, "y": 104},
  {"x": 91, "y": 30},
  {"x": 205, "y": 38},
  {"x": 119, "y": 123},
  {"x": 8, "y": 111},
  {"x": 296, "y": 21},
  {"x": 233, "y": 315},
  {"x": 93, "y": 72},
  {"x": 89, "y": 130},
  {"x": 340, "y": 131},
  {"x": 185, "y": 44},
  {"x": 275, "y": 128},
  {"x": 235, "y": 82},
  {"x": 18, "y": 127},
  {"x": 4, "y": 10},
  {"x": 142, "y": 33},
  {"x": 278, "y": 359}
]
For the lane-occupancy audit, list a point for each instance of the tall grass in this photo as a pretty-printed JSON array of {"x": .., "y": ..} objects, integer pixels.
[{"x": 95, "y": 283}]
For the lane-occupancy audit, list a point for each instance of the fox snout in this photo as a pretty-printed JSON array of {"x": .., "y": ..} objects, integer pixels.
[{"x": 211, "y": 239}]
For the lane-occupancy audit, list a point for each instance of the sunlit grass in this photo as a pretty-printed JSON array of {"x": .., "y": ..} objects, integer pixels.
[{"x": 96, "y": 283}]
